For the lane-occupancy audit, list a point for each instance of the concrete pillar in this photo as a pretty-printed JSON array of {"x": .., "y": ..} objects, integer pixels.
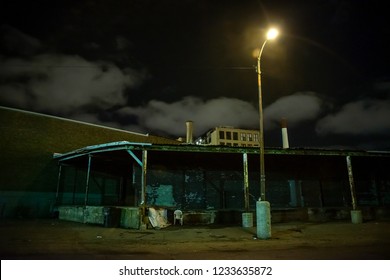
[
  {"x": 356, "y": 216},
  {"x": 247, "y": 219},
  {"x": 293, "y": 193},
  {"x": 263, "y": 219}
]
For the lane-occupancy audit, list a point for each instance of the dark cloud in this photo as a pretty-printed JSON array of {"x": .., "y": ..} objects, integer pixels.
[
  {"x": 62, "y": 84},
  {"x": 15, "y": 42},
  {"x": 148, "y": 66}
]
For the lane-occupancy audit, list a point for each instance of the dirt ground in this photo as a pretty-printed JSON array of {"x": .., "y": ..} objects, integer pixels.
[{"x": 64, "y": 240}]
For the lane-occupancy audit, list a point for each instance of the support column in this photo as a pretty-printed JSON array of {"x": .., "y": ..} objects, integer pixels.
[
  {"x": 247, "y": 217},
  {"x": 356, "y": 215},
  {"x": 142, "y": 204},
  {"x": 86, "y": 188},
  {"x": 58, "y": 184},
  {"x": 87, "y": 181},
  {"x": 143, "y": 189},
  {"x": 263, "y": 218}
]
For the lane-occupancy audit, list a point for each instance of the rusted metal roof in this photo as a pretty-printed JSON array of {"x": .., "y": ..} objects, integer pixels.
[{"x": 135, "y": 146}]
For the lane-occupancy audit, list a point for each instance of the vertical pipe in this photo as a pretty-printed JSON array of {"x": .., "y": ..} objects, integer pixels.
[
  {"x": 351, "y": 182},
  {"x": 87, "y": 183},
  {"x": 246, "y": 181}
]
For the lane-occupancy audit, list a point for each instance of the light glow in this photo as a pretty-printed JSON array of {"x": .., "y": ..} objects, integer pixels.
[{"x": 272, "y": 34}]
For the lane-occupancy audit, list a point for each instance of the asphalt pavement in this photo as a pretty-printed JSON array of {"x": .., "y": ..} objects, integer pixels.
[{"x": 64, "y": 240}]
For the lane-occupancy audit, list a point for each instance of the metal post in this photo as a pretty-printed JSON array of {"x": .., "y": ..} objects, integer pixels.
[
  {"x": 261, "y": 130},
  {"x": 263, "y": 207},
  {"x": 356, "y": 215},
  {"x": 134, "y": 185},
  {"x": 58, "y": 183},
  {"x": 351, "y": 182},
  {"x": 143, "y": 188},
  {"x": 247, "y": 217},
  {"x": 246, "y": 181},
  {"x": 87, "y": 183}
]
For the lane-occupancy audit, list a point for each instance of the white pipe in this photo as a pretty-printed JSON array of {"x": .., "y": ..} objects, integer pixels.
[
  {"x": 285, "y": 143},
  {"x": 189, "y": 132}
]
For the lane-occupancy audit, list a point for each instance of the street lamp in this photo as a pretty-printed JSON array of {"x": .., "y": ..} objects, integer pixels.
[{"x": 263, "y": 209}]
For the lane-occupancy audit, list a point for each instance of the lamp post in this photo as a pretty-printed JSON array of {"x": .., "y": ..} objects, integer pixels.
[{"x": 263, "y": 209}]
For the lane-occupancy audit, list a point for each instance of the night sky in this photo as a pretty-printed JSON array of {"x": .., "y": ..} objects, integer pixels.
[{"x": 148, "y": 66}]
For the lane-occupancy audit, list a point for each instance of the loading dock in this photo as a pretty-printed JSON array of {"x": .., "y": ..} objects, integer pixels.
[{"x": 304, "y": 184}]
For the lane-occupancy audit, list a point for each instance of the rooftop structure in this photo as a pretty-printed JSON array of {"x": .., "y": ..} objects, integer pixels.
[{"x": 230, "y": 136}]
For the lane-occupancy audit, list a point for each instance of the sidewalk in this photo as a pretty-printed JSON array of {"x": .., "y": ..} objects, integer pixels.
[{"x": 55, "y": 239}]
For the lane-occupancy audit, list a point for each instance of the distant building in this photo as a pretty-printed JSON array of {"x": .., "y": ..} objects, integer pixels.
[{"x": 230, "y": 136}]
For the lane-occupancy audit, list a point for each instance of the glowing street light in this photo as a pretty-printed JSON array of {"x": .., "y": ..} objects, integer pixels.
[
  {"x": 263, "y": 209},
  {"x": 272, "y": 33}
]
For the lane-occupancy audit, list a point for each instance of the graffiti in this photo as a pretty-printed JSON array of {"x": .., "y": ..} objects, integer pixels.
[
  {"x": 161, "y": 195},
  {"x": 194, "y": 176}
]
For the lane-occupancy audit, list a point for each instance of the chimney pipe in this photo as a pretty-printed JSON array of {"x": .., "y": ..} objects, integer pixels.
[
  {"x": 283, "y": 124},
  {"x": 189, "y": 126}
]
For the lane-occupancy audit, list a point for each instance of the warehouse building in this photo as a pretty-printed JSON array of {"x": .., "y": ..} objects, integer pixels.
[
  {"x": 77, "y": 171},
  {"x": 28, "y": 173}
]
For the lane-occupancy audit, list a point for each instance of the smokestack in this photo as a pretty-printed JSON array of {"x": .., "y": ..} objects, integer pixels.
[
  {"x": 283, "y": 124},
  {"x": 189, "y": 126}
]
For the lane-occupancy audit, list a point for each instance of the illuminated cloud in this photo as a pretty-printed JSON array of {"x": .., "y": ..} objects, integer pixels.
[
  {"x": 170, "y": 118},
  {"x": 296, "y": 108},
  {"x": 361, "y": 117}
]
